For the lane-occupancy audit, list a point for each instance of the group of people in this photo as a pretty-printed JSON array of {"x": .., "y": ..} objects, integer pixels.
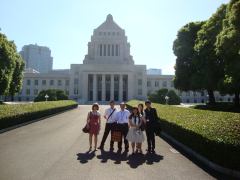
[{"x": 131, "y": 125}]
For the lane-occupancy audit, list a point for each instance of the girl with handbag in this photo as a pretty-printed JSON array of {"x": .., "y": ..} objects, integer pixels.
[{"x": 94, "y": 124}]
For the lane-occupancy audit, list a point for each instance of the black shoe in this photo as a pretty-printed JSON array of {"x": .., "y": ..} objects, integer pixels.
[
  {"x": 111, "y": 149},
  {"x": 153, "y": 151},
  {"x": 148, "y": 150},
  {"x": 119, "y": 150}
]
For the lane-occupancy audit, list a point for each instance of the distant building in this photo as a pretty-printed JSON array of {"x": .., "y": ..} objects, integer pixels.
[
  {"x": 37, "y": 57},
  {"x": 154, "y": 72}
]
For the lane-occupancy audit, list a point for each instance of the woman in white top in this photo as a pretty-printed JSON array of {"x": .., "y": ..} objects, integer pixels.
[{"x": 135, "y": 135}]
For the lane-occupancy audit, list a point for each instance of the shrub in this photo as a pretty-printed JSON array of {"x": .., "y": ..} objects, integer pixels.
[
  {"x": 11, "y": 115},
  {"x": 215, "y": 135},
  {"x": 53, "y": 95}
]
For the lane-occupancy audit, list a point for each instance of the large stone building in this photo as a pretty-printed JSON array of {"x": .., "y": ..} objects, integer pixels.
[
  {"x": 37, "y": 57},
  {"x": 108, "y": 72}
]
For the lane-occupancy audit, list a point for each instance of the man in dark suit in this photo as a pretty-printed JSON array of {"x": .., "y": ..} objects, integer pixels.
[{"x": 151, "y": 120}]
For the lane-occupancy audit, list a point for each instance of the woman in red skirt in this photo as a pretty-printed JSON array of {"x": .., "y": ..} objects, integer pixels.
[{"x": 94, "y": 123}]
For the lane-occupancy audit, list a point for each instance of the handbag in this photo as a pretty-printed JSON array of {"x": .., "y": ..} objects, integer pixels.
[{"x": 86, "y": 129}]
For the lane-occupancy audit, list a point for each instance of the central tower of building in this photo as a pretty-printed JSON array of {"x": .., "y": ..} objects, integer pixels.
[{"x": 108, "y": 71}]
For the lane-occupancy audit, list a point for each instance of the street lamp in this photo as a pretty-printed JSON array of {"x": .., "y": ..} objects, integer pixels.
[
  {"x": 46, "y": 97},
  {"x": 166, "y": 98}
]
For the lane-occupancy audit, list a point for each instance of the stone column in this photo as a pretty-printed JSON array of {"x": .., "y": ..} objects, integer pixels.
[
  {"x": 85, "y": 88},
  {"x": 120, "y": 87},
  {"x": 94, "y": 87},
  {"x": 112, "y": 87},
  {"x": 103, "y": 87}
]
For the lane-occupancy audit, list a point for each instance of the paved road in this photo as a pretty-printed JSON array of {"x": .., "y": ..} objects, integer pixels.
[{"x": 55, "y": 148}]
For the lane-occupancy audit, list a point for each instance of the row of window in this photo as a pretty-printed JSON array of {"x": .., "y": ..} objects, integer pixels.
[
  {"x": 109, "y": 50},
  {"x": 109, "y": 33},
  {"x": 157, "y": 84},
  {"x": 44, "y": 82}
]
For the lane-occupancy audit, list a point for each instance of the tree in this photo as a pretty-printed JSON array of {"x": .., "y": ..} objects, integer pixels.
[
  {"x": 209, "y": 68},
  {"x": 17, "y": 77},
  {"x": 7, "y": 63},
  {"x": 159, "y": 97},
  {"x": 53, "y": 95},
  {"x": 183, "y": 48},
  {"x": 228, "y": 48}
]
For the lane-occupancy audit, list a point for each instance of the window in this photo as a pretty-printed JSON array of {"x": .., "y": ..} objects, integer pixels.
[
  {"x": 27, "y": 91},
  {"x": 108, "y": 50},
  {"x": 109, "y": 33},
  {"x": 149, "y": 84},
  {"x": 28, "y": 82},
  {"x": 113, "y": 33},
  {"x": 51, "y": 82},
  {"x": 76, "y": 73},
  {"x": 59, "y": 82},
  {"x": 100, "y": 33},
  {"x": 100, "y": 49},
  {"x": 75, "y": 91},
  {"x": 104, "y": 33},
  {"x": 36, "y": 82},
  {"x": 44, "y": 82},
  {"x": 104, "y": 49},
  {"x": 140, "y": 82},
  {"x": 118, "y": 33},
  {"x": 67, "y": 92},
  {"x": 35, "y": 91},
  {"x": 139, "y": 91},
  {"x": 116, "y": 50},
  {"x": 164, "y": 83},
  {"x": 67, "y": 82},
  {"x": 156, "y": 84},
  {"x": 112, "y": 50},
  {"x": 202, "y": 93},
  {"x": 172, "y": 84},
  {"x": 75, "y": 81},
  {"x": 187, "y": 93}
]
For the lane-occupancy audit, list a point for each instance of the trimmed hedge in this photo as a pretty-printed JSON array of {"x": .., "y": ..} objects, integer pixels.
[
  {"x": 215, "y": 135},
  {"x": 11, "y": 115}
]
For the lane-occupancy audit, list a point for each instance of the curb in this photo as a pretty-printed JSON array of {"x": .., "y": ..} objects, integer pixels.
[
  {"x": 201, "y": 158},
  {"x": 33, "y": 121}
]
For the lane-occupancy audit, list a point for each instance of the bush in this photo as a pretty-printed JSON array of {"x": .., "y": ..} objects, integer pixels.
[
  {"x": 215, "y": 135},
  {"x": 159, "y": 97},
  {"x": 53, "y": 95},
  {"x": 11, "y": 115}
]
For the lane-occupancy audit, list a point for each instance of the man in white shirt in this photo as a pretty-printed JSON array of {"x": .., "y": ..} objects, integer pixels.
[
  {"x": 122, "y": 117},
  {"x": 110, "y": 116}
]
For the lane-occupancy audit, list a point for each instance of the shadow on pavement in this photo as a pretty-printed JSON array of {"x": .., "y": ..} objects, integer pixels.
[
  {"x": 85, "y": 157},
  {"x": 133, "y": 161}
]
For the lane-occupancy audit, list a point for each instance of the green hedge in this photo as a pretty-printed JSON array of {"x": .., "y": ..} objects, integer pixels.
[
  {"x": 11, "y": 115},
  {"x": 215, "y": 135}
]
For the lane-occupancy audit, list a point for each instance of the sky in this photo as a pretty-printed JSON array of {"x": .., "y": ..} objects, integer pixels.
[{"x": 66, "y": 26}]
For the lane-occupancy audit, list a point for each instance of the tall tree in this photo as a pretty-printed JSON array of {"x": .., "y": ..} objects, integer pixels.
[
  {"x": 17, "y": 77},
  {"x": 7, "y": 63},
  {"x": 183, "y": 48},
  {"x": 228, "y": 48},
  {"x": 208, "y": 66}
]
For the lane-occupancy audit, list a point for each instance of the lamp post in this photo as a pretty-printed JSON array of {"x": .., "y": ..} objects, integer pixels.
[
  {"x": 46, "y": 97},
  {"x": 166, "y": 98}
]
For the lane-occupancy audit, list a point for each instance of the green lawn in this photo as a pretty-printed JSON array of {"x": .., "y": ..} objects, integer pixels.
[
  {"x": 18, "y": 113},
  {"x": 215, "y": 135}
]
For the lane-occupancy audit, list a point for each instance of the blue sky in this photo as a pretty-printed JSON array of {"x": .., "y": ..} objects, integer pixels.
[{"x": 65, "y": 26}]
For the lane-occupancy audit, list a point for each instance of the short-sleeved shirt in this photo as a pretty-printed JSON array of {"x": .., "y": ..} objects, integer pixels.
[
  {"x": 123, "y": 116},
  {"x": 112, "y": 118}
]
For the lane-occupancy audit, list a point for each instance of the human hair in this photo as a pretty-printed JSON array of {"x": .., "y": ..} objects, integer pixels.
[
  {"x": 142, "y": 106},
  {"x": 95, "y": 105},
  {"x": 132, "y": 114}
]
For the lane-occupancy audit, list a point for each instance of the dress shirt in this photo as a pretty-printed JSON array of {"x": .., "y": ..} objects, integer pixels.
[
  {"x": 122, "y": 116},
  {"x": 108, "y": 112}
]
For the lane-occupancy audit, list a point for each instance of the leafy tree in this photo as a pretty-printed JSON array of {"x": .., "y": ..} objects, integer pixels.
[
  {"x": 7, "y": 63},
  {"x": 183, "y": 48},
  {"x": 53, "y": 95},
  {"x": 159, "y": 97},
  {"x": 17, "y": 77},
  {"x": 208, "y": 66},
  {"x": 228, "y": 48}
]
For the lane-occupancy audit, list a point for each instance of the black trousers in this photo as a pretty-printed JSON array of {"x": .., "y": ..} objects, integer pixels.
[
  {"x": 108, "y": 128},
  {"x": 150, "y": 137},
  {"x": 124, "y": 130}
]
